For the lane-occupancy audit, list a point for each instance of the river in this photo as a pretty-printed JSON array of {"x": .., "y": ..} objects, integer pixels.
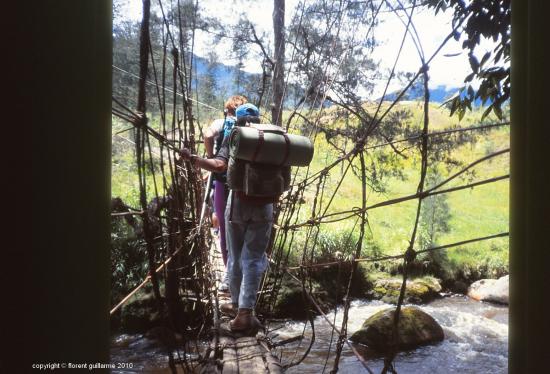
[{"x": 476, "y": 341}]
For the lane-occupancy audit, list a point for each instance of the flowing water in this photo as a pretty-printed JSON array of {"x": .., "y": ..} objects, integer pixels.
[
  {"x": 134, "y": 353},
  {"x": 476, "y": 341}
]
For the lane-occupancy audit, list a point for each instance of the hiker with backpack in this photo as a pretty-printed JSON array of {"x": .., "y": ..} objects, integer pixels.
[
  {"x": 257, "y": 158},
  {"x": 213, "y": 138}
]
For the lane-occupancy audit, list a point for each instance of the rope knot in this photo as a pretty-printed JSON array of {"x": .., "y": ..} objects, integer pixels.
[
  {"x": 359, "y": 144},
  {"x": 410, "y": 255},
  {"x": 423, "y": 194},
  {"x": 141, "y": 120}
]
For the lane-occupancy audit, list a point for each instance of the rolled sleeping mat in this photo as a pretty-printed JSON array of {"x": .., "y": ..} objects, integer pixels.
[{"x": 269, "y": 144}]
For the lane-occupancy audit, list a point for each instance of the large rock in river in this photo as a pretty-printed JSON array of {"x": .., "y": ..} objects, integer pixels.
[
  {"x": 140, "y": 314},
  {"x": 415, "y": 328},
  {"x": 417, "y": 291},
  {"x": 493, "y": 290},
  {"x": 291, "y": 303}
]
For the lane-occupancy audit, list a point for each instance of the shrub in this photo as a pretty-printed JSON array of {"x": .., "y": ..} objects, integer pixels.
[{"x": 128, "y": 259}]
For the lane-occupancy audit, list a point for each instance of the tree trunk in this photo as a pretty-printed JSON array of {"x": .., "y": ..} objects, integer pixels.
[{"x": 279, "y": 59}]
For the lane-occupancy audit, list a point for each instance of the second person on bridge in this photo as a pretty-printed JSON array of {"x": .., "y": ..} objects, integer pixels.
[{"x": 213, "y": 139}]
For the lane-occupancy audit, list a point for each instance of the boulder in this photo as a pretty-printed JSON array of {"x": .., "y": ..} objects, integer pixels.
[
  {"x": 165, "y": 337},
  {"x": 415, "y": 328},
  {"x": 418, "y": 291},
  {"x": 492, "y": 290},
  {"x": 334, "y": 279},
  {"x": 140, "y": 315},
  {"x": 290, "y": 301},
  {"x": 459, "y": 286}
]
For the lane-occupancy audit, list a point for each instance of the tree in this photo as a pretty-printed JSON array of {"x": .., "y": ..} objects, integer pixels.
[
  {"x": 208, "y": 86},
  {"x": 491, "y": 20},
  {"x": 125, "y": 53},
  {"x": 238, "y": 76},
  {"x": 434, "y": 220},
  {"x": 246, "y": 41},
  {"x": 279, "y": 61},
  {"x": 332, "y": 41}
]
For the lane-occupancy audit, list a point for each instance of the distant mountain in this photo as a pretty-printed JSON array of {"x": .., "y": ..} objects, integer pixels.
[
  {"x": 225, "y": 81},
  {"x": 439, "y": 94}
]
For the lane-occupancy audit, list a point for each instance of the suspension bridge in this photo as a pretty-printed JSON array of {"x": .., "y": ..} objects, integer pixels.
[{"x": 174, "y": 230}]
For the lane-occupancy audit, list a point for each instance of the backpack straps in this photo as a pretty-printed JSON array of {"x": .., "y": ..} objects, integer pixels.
[
  {"x": 259, "y": 145},
  {"x": 287, "y": 149},
  {"x": 261, "y": 141},
  {"x": 219, "y": 140},
  {"x": 228, "y": 123}
]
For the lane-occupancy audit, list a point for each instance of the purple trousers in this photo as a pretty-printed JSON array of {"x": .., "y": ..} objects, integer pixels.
[{"x": 220, "y": 200}]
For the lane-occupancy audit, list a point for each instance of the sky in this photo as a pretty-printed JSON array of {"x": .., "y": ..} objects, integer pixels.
[{"x": 448, "y": 71}]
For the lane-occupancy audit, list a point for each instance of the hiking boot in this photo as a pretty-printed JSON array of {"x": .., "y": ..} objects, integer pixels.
[
  {"x": 229, "y": 309},
  {"x": 245, "y": 322}
]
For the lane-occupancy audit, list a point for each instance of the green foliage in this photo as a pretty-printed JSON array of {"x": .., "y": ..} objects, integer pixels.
[
  {"x": 434, "y": 221},
  {"x": 372, "y": 249},
  {"x": 128, "y": 259},
  {"x": 208, "y": 86},
  {"x": 482, "y": 19},
  {"x": 125, "y": 61},
  {"x": 487, "y": 267},
  {"x": 435, "y": 214},
  {"x": 126, "y": 36},
  {"x": 340, "y": 245}
]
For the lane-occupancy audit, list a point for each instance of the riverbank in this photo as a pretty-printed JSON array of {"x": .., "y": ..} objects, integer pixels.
[{"x": 329, "y": 285}]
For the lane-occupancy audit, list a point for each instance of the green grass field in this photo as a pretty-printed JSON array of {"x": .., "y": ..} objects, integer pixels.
[{"x": 475, "y": 212}]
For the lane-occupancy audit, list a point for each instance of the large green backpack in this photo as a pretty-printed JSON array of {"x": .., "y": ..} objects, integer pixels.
[{"x": 261, "y": 156}]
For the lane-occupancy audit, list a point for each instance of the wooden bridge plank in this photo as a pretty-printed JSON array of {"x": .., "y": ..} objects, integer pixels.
[
  {"x": 273, "y": 364},
  {"x": 230, "y": 361},
  {"x": 250, "y": 355}
]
